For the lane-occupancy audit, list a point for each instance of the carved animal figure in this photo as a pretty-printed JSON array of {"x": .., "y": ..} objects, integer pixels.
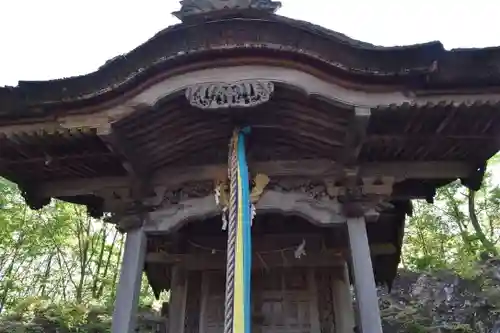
[{"x": 260, "y": 182}]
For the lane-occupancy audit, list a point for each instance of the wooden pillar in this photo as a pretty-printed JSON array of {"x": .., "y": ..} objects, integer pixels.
[
  {"x": 313, "y": 304},
  {"x": 177, "y": 302},
  {"x": 129, "y": 287},
  {"x": 342, "y": 302},
  {"x": 204, "y": 301},
  {"x": 366, "y": 291}
]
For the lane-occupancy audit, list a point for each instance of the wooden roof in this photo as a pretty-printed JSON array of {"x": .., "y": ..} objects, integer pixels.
[{"x": 416, "y": 67}]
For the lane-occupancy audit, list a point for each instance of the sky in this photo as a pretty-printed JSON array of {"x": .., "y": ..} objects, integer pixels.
[{"x": 59, "y": 38}]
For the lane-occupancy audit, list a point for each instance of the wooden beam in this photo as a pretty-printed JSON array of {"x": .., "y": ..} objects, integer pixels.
[
  {"x": 416, "y": 170},
  {"x": 30, "y": 129},
  {"x": 427, "y": 137},
  {"x": 132, "y": 161},
  {"x": 307, "y": 168},
  {"x": 260, "y": 242},
  {"x": 315, "y": 242},
  {"x": 259, "y": 261},
  {"x": 319, "y": 169},
  {"x": 54, "y": 160},
  {"x": 264, "y": 260},
  {"x": 355, "y": 136},
  {"x": 321, "y": 213}
]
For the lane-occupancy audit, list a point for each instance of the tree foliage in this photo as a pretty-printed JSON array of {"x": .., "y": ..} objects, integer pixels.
[
  {"x": 57, "y": 254},
  {"x": 459, "y": 229}
]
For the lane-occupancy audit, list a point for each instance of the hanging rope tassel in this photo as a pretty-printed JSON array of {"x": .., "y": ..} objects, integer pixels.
[{"x": 239, "y": 252}]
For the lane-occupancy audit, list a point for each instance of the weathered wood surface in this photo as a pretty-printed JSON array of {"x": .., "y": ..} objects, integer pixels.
[
  {"x": 328, "y": 258},
  {"x": 171, "y": 177}
]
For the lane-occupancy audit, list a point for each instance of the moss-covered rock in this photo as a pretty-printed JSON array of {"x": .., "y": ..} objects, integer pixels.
[{"x": 442, "y": 302}]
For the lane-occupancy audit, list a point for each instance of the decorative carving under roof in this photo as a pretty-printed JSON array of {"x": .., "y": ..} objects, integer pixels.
[
  {"x": 197, "y": 7},
  {"x": 225, "y": 95}
]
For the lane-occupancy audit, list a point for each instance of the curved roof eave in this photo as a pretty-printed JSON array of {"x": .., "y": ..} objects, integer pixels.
[{"x": 430, "y": 61}]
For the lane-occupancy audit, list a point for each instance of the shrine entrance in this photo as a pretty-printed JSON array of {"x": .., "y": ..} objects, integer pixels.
[
  {"x": 283, "y": 300},
  {"x": 300, "y": 265}
]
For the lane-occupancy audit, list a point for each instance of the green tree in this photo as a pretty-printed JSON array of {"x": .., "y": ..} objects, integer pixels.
[
  {"x": 57, "y": 253},
  {"x": 455, "y": 232}
]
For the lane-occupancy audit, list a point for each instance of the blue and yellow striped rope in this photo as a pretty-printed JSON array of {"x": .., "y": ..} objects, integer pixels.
[{"x": 239, "y": 244}]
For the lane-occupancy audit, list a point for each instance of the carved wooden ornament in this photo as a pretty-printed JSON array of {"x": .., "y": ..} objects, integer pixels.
[
  {"x": 196, "y": 7},
  {"x": 227, "y": 95}
]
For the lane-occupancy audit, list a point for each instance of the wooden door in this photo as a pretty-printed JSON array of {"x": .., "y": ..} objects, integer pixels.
[
  {"x": 212, "y": 309},
  {"x": 283, "y": 301}
]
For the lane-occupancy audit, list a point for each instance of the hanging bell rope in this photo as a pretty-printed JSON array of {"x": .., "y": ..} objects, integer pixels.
[{"x": 239, "y": 252}]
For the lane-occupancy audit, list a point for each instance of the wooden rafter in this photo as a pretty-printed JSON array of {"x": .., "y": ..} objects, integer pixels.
[{"x": 132, "y": 161}]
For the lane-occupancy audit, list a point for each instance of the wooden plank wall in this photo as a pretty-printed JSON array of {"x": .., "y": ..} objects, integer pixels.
[
  {"x": 193, "y": 303},
  {"x": 208, "y": 300}
]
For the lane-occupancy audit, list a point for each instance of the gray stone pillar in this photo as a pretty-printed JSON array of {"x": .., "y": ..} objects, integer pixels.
[
  {"x": 366, "y": 291},
  {"x": 129, "y": 287},
  {"x": 342, "y": 302}
]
